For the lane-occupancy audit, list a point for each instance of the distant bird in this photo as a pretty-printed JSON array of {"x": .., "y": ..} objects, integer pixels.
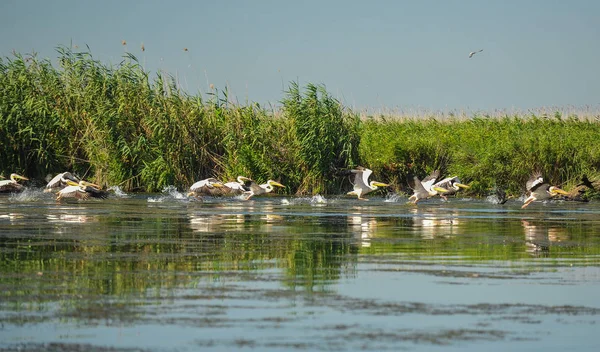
[
  {"x": 361, "y": 182},
  {"x": 143, "y": 47},
  {"x": 452, "y": 184},
  {"x": 123, "y": 42},
  {"x": 539, "y": 190},
  {"x": 425, "y": 188},
  {"x": 60, "y": 181},
  {"x": 11, "y": 185},
  {"x": 208, "y": 187},
  {"x": 474, "y": 52}
]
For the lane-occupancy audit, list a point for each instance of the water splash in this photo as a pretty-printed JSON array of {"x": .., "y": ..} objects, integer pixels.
[
  {"x": 118, "y": 191},
  {"x": 492, "y": 199},
  {"x": 318, "y": 199},
  {"x": 392, "y": 198},
  {"x": 28, "y": 195},
  {"x": 169, "y": 193}
]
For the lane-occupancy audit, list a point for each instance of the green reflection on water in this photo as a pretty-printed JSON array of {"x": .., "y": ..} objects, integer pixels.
[{"x": 99, "y": 251}]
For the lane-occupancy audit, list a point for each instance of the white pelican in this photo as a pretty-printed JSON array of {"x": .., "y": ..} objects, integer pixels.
[
  {"x": 12, "y": 184},
  {"x": 81, "y": 190},
  {"x": 539, "y": 190},
  {"x": 474, "y": 52},
  {"x": 60, "y": 181},
  {"x": 255, "y": 189},
  {"x": 425, "y": 188},
  {"x": 452, "y": 184},
  {"x": 362, "y": 185},
  {"x": 237, "y": 187},
  {"x": 208, "y": 187}
]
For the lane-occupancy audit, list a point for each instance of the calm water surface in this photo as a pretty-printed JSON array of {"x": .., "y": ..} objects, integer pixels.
[{"x": 161, "y": 272}]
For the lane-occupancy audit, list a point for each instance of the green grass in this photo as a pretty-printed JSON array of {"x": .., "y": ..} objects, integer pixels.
[{"x": 121, "y": 125}]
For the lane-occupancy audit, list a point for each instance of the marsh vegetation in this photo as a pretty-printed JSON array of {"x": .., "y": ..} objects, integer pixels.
[{"x": 122, "y": 125}]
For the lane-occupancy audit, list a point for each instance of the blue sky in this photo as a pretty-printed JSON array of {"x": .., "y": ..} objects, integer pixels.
[{"x": 369, "y": 54}]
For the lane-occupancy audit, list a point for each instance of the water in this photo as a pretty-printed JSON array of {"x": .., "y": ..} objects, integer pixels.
[{"x": 162, "y": 272}]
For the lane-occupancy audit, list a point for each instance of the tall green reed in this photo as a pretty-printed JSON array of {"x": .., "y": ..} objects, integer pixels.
[{"x": 122, "y": 125}]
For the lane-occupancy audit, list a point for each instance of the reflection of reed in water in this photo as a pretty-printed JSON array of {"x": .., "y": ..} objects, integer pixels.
[{"x": 539, "y": 237}]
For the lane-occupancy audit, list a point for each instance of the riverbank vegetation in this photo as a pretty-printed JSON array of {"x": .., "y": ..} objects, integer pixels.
[{"x": 121, "y": 125}]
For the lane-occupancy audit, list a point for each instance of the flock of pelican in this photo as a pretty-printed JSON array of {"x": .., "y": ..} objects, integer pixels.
[
  {"x": 66, "y": 185},
  {"x": 244, "y": 186}
]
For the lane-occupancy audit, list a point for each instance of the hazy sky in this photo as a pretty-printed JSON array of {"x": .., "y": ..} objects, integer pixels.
[{"x": 369, "y": 54}]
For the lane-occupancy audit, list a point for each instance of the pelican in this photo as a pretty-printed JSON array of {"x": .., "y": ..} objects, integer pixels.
[
  {"x": 237, "y": 187},
  {"x": 539, "y": 190},
  {"x": 255, "y": 189},
  {"x": 474, "y": 52},
  {"x": 60, "y": 181},
  {"x": 82, "y": 190},
  {"x": 452, "y": 184},
  {"x": 425, "y": 188},
  {"x": 362, "y": 185},
  {"x": 12, "y": 184},
  {"x": 208, "y": 187}
]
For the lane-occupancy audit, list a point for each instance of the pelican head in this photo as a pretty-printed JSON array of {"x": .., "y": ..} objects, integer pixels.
[
  {"x": 14, "y": 177},
  {"x": 458, "y": 185},
  {"x": 72, "y": 183},
  {"x": 275, "y": 183},
  {"x": 375, "y": 184},
  {"x": 243, "y": 179},
  {"x": 439, "y": 189},
  {"x": 82, "y": 184},
  {"x": 554, "y": 191},
  {"x": 268, "y": 187}
]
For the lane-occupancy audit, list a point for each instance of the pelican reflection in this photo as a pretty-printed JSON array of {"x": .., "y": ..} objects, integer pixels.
[
  {"x": 540, "y": 236},
  {"x": 432, "y": 225}
]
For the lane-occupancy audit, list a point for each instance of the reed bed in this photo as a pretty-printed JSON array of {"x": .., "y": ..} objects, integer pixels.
[{"x": 122, "y": 125}]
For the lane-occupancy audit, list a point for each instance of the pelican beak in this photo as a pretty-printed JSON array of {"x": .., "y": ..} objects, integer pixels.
[
  {"x": 380, "y": 184},
  {"x": 71, "y": 183},
  {"x": 86, "y": 183},
  {"x": 274, "y": 183},
  {"x": 556, "y": 190},
  {"x": 21, "y": 177},
  {"x": 218, "y": 185},
  {"x": 461, "y": 185},
  {"x": 439, "y": 189}
]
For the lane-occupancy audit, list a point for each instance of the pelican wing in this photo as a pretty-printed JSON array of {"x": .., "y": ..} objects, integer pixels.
[
  {"x": 235, "y": 186},
  {"x": 361, "y": 178},
  {"x": 448, "y": 182},
  {"x": 72, "y": 192},
  {"x": 60, "y": 180},
  {"x": 417, "y": 185},
  {"x": 10, "y": 186},
  {"x": 534, "y": 182},
  {"x": 95, "y": 192},
  {"x": 55, "y": 182},
  {"x": 429, "y": 181},
  {"x": 209, "y": 182}
]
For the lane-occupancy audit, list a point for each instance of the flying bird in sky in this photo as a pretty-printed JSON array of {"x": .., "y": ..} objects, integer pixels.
[{"x": 474, "y": 52}]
